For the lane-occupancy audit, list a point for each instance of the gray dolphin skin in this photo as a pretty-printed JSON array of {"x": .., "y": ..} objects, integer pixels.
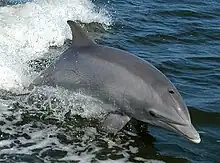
[{"x": 130, "y": 86}]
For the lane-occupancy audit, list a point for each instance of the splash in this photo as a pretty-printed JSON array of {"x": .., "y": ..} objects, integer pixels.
[{"x": 28, "y": 30}]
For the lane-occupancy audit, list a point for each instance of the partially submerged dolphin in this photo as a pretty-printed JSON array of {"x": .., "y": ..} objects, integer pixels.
[{"x": 130, "y": 86}]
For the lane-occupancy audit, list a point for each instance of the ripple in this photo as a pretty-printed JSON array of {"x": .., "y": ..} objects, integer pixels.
[
  {"x": 200, "y": 117},
  {"x": 186, "y": 13}
]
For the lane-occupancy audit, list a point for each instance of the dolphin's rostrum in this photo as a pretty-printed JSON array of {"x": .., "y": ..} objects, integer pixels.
[{"x": 131, "y": 86}]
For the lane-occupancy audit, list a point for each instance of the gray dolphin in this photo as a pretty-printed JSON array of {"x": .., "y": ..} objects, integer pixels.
[{"x": 132, "y": 87}]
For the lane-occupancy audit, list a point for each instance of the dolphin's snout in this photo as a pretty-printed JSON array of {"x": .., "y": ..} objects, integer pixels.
[
  {"x": 188, "y": 131},
  {"x": 191, "y": 133}
]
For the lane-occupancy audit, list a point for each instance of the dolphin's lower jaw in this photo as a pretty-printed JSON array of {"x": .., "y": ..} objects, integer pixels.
[{"x": 187, "y": 131}]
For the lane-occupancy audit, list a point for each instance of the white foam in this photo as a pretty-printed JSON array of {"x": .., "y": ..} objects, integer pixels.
[
  {"x": 85, "y": 143},
  {"x": 76, "y": 102},
  {"x": 28, "y": 30}
]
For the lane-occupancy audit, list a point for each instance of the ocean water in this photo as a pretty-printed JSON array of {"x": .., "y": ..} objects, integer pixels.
[{"x": 181, "y": 38}]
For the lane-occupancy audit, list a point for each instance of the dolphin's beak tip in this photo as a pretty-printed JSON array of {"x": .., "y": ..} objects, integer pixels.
[
  {"x": 196, "y": 138},
  {"x": 196, "y": 141},
  {"x": 189, "y": 132}
]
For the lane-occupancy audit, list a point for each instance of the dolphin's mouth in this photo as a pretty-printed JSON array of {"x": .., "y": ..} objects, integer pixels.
[
  {"x": 195, "y": 138},
  {"x": 187, "y": 131}
]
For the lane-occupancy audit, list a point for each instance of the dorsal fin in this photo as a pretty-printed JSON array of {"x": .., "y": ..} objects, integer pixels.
[{"x": 79, "y": 36}]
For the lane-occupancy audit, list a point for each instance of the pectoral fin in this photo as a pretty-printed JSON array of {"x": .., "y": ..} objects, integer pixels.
[{"x": 115, "y": 122}]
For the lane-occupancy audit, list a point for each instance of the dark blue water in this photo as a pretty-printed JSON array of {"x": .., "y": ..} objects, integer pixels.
[{"x": 182, "y": 39}]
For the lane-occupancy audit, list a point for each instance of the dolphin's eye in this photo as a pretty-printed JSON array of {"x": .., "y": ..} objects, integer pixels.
[
  {"x": 171, "y": 91},
  {"x": 152, "y": 114}
]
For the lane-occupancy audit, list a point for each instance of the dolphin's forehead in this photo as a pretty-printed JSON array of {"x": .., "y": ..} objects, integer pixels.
[{"x": 171, "y": 99}]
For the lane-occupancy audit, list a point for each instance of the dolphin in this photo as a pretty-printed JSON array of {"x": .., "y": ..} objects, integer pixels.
[{"x": 130, "y": 86}]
